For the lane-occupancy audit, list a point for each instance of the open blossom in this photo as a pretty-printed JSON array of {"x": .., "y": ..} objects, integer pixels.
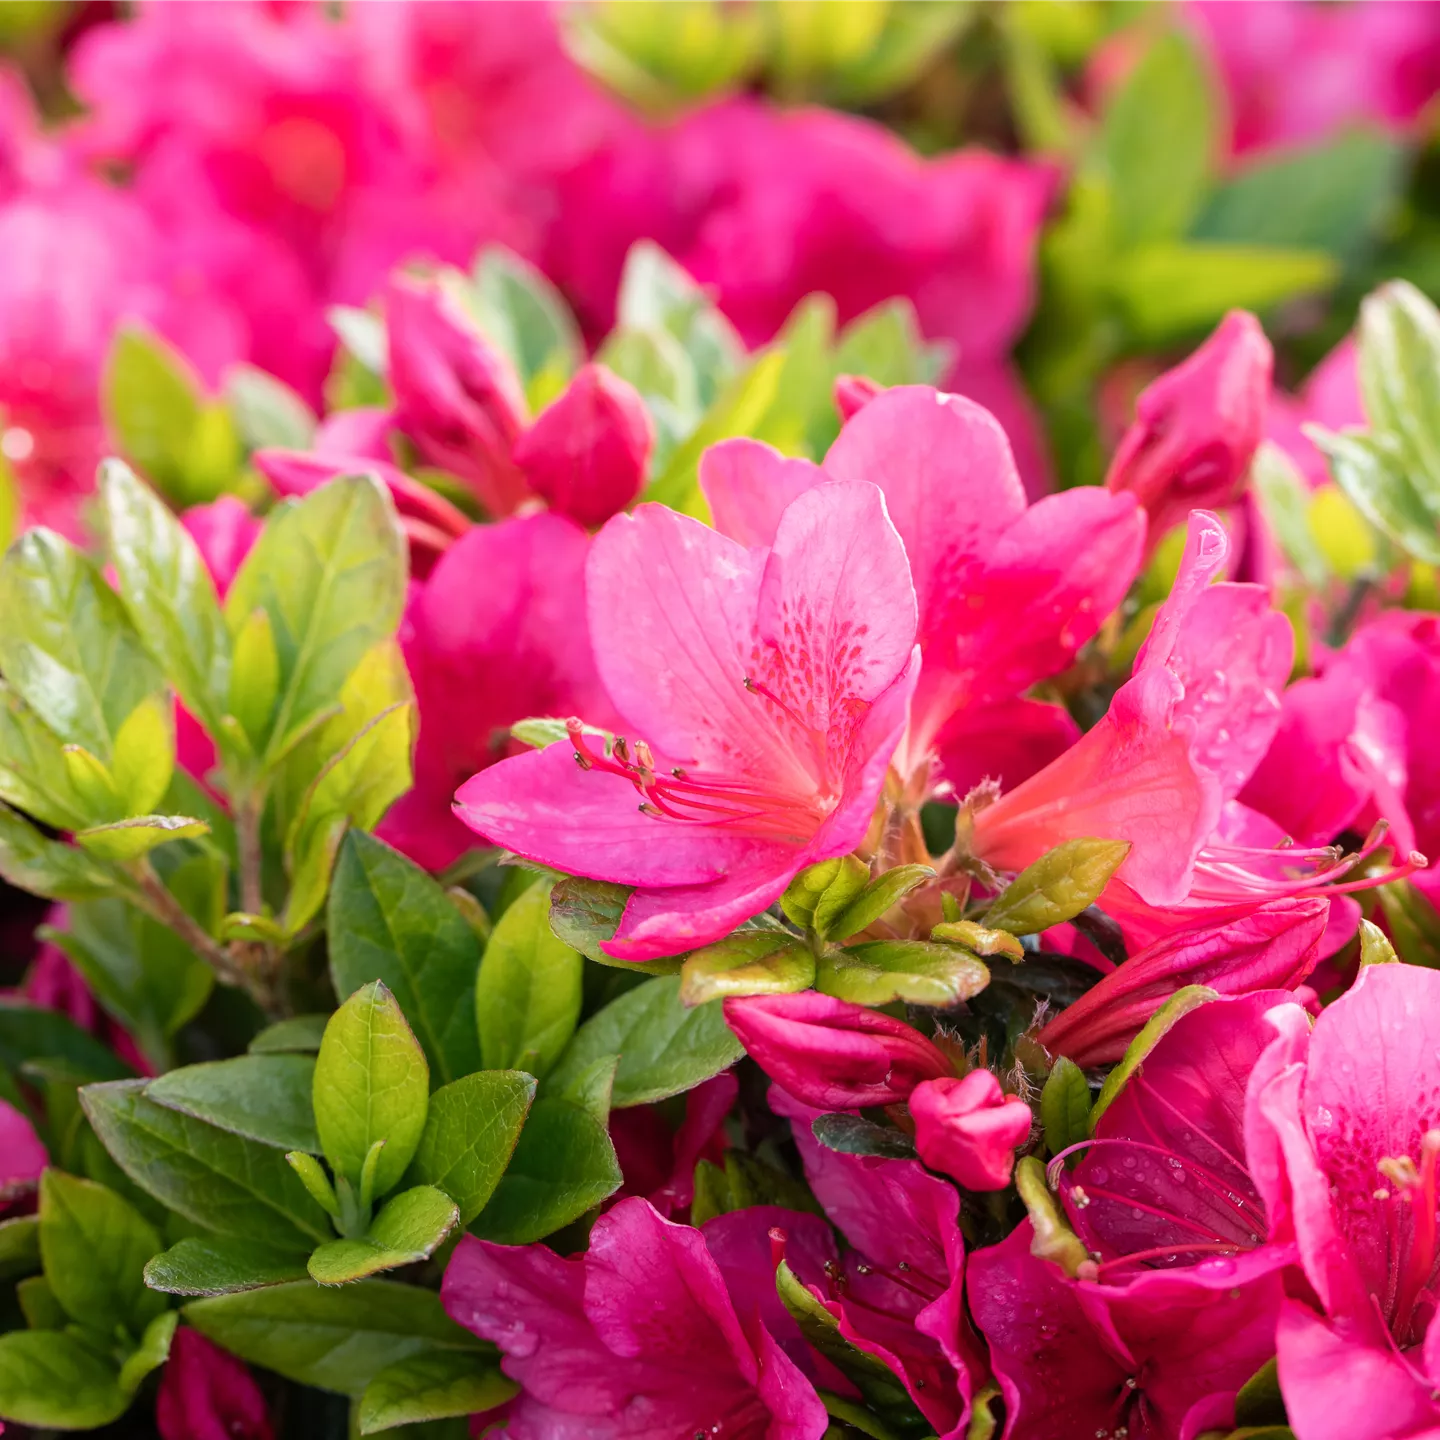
[
  {"x": 1197, "y": 426},
  {"x": 1007, "y": 592},
  {"x": 1341, "y": 1126},
  {"x": 969, "y": 1128},
  {"x": 658, "y": 1162},
  {"x": 763, "y": 689},
  {"x": 637, "y": 1338},
  {"x": 1330, "y": 398}
]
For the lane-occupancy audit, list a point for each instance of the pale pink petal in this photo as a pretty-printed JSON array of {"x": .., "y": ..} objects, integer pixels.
[{"x": 747, "y": 485}]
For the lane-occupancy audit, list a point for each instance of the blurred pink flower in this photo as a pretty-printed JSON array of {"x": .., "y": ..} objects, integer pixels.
[
  {"x": 769, "y": 684},
  {"x": 22, "y": 1155},
  {"x": 1330, "y": 397},
  {"x": 207, "y": 1394}
]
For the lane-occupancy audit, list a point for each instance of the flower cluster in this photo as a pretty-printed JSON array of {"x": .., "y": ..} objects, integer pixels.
[{"x": 672, "y": 768}]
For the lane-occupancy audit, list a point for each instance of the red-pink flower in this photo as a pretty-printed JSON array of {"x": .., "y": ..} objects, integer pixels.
[
  {"x": 223, "y": 532},
  {"x": 969, "y": 1128},
  {"x": 1330, "y": 397},
  {"x": 1341, "y": 1126},
  {"x": 495, "y": 635},
  {"x": 764, "y": 688},
  {"x": 831, "y": 1054},
  {"x": 206, "y": 1394},
  {"x": 659, "y": 1162},
  {"x": 1197, "y": 426},
  {"x": 637, "y": 1338},
  {"x": 1007, "y": 592},
  {"x": 22, "y": 1155}
]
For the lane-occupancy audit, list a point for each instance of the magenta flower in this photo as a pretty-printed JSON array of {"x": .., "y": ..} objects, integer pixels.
[
  {"x": 206, "y": 1394},
  {"x": 637, "y": 1338},
  {"x": 223, "y": 531},
  {"x": 897, "y": 1291},
  {"x": 1341, "y": 1127},
  {"x": 1330, "y": 397},
  {"x": 659, "y": 1162},
  {"x": 22, "y": 1155},
  {"x": 969, "y": 1128},
  {"x": 1008, "y": 593},
  {"x": 766, "y": 688},
  {"x": 1197, "y": 426},
  {"x": 831, "y": 1054},
  {"x": 1270, "y": 947},
  {"x": 586, "y": 453},
  {"x": 493, "y": 636}
]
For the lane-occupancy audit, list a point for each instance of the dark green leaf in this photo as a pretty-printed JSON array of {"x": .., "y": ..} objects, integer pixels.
[
  {"x": 432, "y": 1387},
  {"x": 917, "y": 971},
  {"x": 389, "y": 920},
  {"x": 1065, "y": 1106},
  {"x": 222, "y": 1181},
  {"x": 470, "y": 1133},
  {"x": 53, "y": 1381},
  {"x": 49, "y": 867},
  {"x": 408, "y": 1228},
  {"x": 1260, "y": 1401},
  {"x": 30, "y": 1033},
  {"x": 301, "y": 1034},
  {"x": 220, "y": 1265},
  {"x": 664, "y": 1047},
  {"x": 585, "y": 912},
  {"x": 749, "y": 962},
  {"x": 19, "y": 1246},
  {"x": 264, "y": 1097},
  {"x": 334, "y": 1338},
  {"x": 850, "y": 1135},
  {"x": 563, "y": 1165}
]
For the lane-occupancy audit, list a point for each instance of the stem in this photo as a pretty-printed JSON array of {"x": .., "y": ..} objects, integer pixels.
[
  {"x": 167, "y": 909},
  {"x": 247, "y": 842}
]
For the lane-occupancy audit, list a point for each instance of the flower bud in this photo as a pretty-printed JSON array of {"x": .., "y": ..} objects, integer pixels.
[
  {"x": 206, "y": 1394},
  {"x": 457, "y": 397},
  {"x": 586, "y": 453},
  {"x": 969, "y": 1128},
  {"x": 831, "y": 1054},
  {"x": 853, "y": 393},
  {"x": 1197, "y": 427}
]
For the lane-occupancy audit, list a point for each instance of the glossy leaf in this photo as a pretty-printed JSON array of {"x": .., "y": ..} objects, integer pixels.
[
  {"x": 852, "y": 1135},
  {"x": 124, "y": 840},
  {"x": 152, "y": 403},
  {"x": 34, "y": 768},
  {"x": 1057, "y": 887},
  {"x": 263, "y": 1097},
  {"x": 406, "y": 1230},
  {"x": 871, "y": 903},
  {"x": 1398, "y": 365},
  {"x": 221, "y": 1265},
  {"x": 821, "y": 891},
  {"x": 1065, "y": 1106},
  {"x": 434, "y": 1386},
  {"x": 1374, "y": 478},
  {"x": 881, "y": 971},
  {"x": 49, "y": 867},
  {"x": 583, "y": 913},
  {"x": 51, "y": 1380},
  {"x": 749, "y": 962}
]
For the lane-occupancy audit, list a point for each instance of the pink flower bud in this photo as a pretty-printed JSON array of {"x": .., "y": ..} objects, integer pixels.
[
  {"x": 1197, "y": 426},
  {"x": 586, "y": 453},
  {"x": 206, "y": 1394},
  {"x": 969, "y": 1128},
  {"x": 853, "y": 393},
  {"x": 830, "y": 1053},
  {"x": 457, "y": 397}
]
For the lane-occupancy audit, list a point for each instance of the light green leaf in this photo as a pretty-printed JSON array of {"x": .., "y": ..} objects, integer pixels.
[
  {"x": 144, "y": 757},
  {"x": 254, "y": 680},
  {"x": 407, "y": 1230},
  {"x": 152, "y": 1352},
  {"x": 664, "y": 1047},
  {"x": 94, "y": 1246},
  {"x": 50, "y": 868},
  {"x": 1398, "y": 365},
  {"x": 1051, "y": 1236},
  {"x": 128, "y": 839},
  {"x": 470, "y": 1134},
  {"x": 835, "y": 882},
  {"x": 527, "y": 996},
  {"x": 267, "y": 412},
  {"x": 523, "y": 313},
  {"x": 1375, "y": 947},
  {"x": 1284, "y": 499},
  {"x": 42, "y": 1311},
  {"x": 432, "y": 1387},
  {"x": 371, "y": 1085},
  {"x": 221, "y": 1265},
  {"x": 388, "y": 919},
  {"x": 1180, "y": 1004},
  {"x": 53, "y": 1381},
  {"x": 35, "y": 770},
  {"x": 329, "y": 571},
  {"x": 221, "y": 1181},
  {"x": 749, "y": 962},
  {"x": 362, "y": 334},
  {"x": 871, "y": 903},
  {"x": 655, "y": 363},
  {"x": 335, "y": 1339},
  {"x": 881, "y": 971},
  {"x": 1374, "y": 478},
  {"x": 1057, "y": 887},
  {"x": 563, "y": 1165},
  {"x": 152, "y": 405},
  {"x": 263, "y": 1097}
]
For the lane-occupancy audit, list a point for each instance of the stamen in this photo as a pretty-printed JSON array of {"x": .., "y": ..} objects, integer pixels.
[{"x": 1416, "y": 1185}]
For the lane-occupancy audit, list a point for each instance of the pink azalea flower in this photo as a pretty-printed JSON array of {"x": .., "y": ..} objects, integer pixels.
[
  {"x": 969, "y": 1128},
  {"x": 637, "y": 1338},
  {"x": 493, "y": 636},
  {"x": 658, "y": 1162},
  {"x": 206, "y": 1394},
  {"x": 831, "y": 1054},
  {"x": 1197, "y": 426},
  {"x": 224, "y": 530},
  {"x": 1330, "y": 397},
  {"x": 1270, "y": 947},
  {"x": 22, "y": 1156},
  {"x": 1008, "y": 593},
  {"x": 769, "y": 684},
  {"x": 1341, "y": 1128},
  {"x": 897, "y": 1291},
  {"x": 1159, "y": 1358}
]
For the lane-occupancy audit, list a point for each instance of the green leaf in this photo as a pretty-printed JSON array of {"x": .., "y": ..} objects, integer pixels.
[
  {"x": 49, "y": 867},
  {"x": 144, "y": 757},
  {"x": 881, "y": 971},
  {"x": 362, "y": 334},
  {"x": 371, "y": 1085},
  {"x": 35, "y": 768},
  {"x": 42, "y": 1311},
  {"x": 1051, "y": 1238},
  {"x": 749, "y": 962},
  {"x": 53, "y": 1381},
  {"x": 329, "y": 572},
  {"x": 67, "y": 645},
  {"x": 852, "y": 1135},
  {"x": 388, "y": 919},
  {"x": 840, "y": 879},
  {"x": 221, "y": 1265},
  {"x": 871, "y": 903},
  {"x": 301, "y": 1034},
  {"x": 1065, "y": 1106},
  {"x": 978, "y": 939},
  {"x": 470, "y": 1134},
  {"x": 254, "y": 681},
  {"x": 263, "y": 1097},
  {"x": 335, "y": 1339},
  {"x": 656, "y": 365},
  {"x": 1157, "y": 142},
  {"x": 1285, "y": 499},
  {"x": 563, "y": 1165},
  {"x": 1373, "y": 477},
  {"x": 129, "y": 839},
  {"x": 152, "y": 1352},
  {"x": 267, "y": 412},
  {"x": 94, "y": 1246},
  {"x": 1398, "y": 365},
  {"x": 527, "y": 996},
  {"x": 169, "y": 593},
  {"x": 664, "y": 1047},
  {"x": 221, "y": 1181},
  {"x": 152, "y": 405},
  {"x": 1375, "y": 947},
  {"x": 19, "y": 1246},
  {"x": 523, "y": 313},
  {"x": 594, "y": 1087},
  {"x": 30, "y": 1033},
  {"x": 1167, "y": 291},
  {"x": 1259, "y": 1401},
  {"x": 432, "y": 1387},
  {"x": 1057, "y": 887},
  {"x": 583, "y": 913},
  {"x": 1181, "y": 1003},
  {"x": 407, "y": 1230}
]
